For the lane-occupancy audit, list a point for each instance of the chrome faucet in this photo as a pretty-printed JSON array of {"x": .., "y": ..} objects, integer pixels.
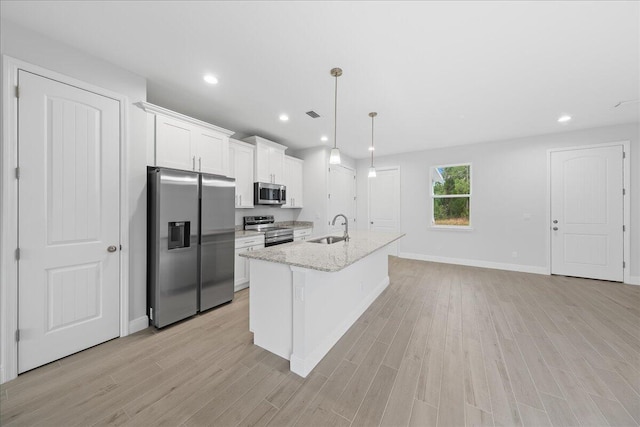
[{"x": 345, "y": 223}]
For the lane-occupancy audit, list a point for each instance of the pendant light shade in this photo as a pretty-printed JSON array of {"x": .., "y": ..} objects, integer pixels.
[
  {"x": 334, "y": 158},
  {"x": 372, "y": 169}
]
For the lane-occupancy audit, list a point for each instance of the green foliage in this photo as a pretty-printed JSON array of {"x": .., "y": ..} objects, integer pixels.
[
  {"x": 457, "y": 180},
  {"x": 455, "y": 210}
]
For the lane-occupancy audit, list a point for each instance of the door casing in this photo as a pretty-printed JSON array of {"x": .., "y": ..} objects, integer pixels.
[
  {"x": 9, "y": 198},
  {"x": 626, "y": 146}
]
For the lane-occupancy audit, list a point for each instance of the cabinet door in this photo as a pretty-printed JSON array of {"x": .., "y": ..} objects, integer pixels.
[
  {"x": 293, "y": 181},
  {"x": 241, "y": 269},
  {"x": 212, "y": 151},
  {"x": 276, "y": 165},
  {"x": 243, "y": 165},
  {"x": 173, "y": 144},
  {"x": 263, "y": 172},
  {"x": 296, "y": 177}
]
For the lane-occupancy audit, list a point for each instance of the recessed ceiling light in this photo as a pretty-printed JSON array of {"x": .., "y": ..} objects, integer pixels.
[
  {"x": 212, "y": 80},
  {"x": 324, "y": 138},
  {"x": 563, "y": 119},
  {"x": 372, "y": 148},
  {"x": 284, "y": 117}
]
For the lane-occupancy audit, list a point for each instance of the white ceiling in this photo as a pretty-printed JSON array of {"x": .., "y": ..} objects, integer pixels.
[{"x": 437, "y": 73}]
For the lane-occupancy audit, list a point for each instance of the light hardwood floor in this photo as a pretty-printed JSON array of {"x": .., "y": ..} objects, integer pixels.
[{"x": 443, "y": 345}]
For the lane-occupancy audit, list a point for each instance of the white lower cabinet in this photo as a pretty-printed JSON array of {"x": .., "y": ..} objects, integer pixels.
[
  {"x": 302, "y": 234},
  {"x": 247, "y": 244}
]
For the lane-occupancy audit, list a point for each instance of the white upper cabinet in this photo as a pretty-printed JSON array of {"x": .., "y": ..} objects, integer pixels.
[
  {"x": 173, "y": 145},
  {"x": 211, "y": 151},
  {"x": 269, "y": 163},
  {"x": 182, "y": 142},
  {"x": 241, "y": 157},
  {"x": 293, "y": 181}
]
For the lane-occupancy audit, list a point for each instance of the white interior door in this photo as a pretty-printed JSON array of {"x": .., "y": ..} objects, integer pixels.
[
  {"x": 384, "y": 203},
  {"x": 68, "y": 192},
  {"x": 342, "y": 200},
  {"x": 587, "y": 213}
]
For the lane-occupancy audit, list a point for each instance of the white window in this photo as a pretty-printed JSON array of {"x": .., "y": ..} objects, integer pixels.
[{"x": 451, "y": 195}]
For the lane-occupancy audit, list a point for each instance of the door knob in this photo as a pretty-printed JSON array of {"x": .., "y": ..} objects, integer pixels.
[
  {"x": 371, "y": 222},
  {"x": 555, "y": 228},
  {"x": 555, "y": 221},
  {"x": 112, "y": 248}
]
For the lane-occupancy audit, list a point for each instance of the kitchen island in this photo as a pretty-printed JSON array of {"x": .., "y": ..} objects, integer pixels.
[{"x": 304, "y": 296}]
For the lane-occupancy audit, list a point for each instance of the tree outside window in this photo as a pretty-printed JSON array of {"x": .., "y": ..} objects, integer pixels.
[{"x": 451, "y": 195}]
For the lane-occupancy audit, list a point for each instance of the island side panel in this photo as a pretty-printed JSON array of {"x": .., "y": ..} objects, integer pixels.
[
  {"x": 325, "y": 305},
  {"x": 270, "y": 307}
]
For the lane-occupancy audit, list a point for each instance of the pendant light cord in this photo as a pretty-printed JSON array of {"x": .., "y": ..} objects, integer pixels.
[
  {"x": 372, "y": 117},
  {"x": 335, "y": 115}
]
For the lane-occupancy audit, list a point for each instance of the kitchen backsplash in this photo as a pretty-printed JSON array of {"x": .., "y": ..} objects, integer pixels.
[{"x": 278, "y": 213}]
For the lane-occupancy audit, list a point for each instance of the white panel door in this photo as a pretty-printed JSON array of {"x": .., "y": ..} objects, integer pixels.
[
  {"x": 212, "y": 152},
  {"x": 68, "y": 289},
  {"x": 587, "y": 213},
  {"x": 342, "y": 190},
  {"x": 384, "y": 203},
  {"x": 174, "y": 141}
]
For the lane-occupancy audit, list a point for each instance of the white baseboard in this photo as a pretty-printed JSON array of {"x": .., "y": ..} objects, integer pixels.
[
  {"x": 138, "y": 324},
  {"x": 240, "y": 287},
  {"x": 633, "y": 280},
  {"x": 476, "y": 263}
]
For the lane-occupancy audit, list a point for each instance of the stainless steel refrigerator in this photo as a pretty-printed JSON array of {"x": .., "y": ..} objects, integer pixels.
[{"x": 191, "y": 237}]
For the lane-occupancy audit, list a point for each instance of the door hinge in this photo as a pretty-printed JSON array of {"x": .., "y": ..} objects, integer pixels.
[
  {"x": 624, "y": 228},
  {"x": 17, "y": 335},
  {"x": 354, "y": 197},
  {"x": 624, "y": 191},
  {"x": 624, "y": 264},
  {"x": 17, "y": 254},
  {"x": 18, "y": 173},
  {"x": 624, "y": 155},
  {"x": 151, "y": 313},
  {"x": 120, "y": 247},
  {"x": 329, "y": 195},
  {"x": 17, "y": 91}
]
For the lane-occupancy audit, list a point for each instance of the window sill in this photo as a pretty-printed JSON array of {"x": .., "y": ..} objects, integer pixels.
[{"x": 450, "y": 228}]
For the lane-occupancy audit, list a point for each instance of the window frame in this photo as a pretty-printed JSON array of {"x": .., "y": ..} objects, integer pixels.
[{"x": 451, "y": 196}]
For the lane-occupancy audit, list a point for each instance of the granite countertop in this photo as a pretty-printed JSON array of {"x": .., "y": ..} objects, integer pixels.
[
  {"x": 322, "y": 257},
  {"x": 248, "y": 233}
]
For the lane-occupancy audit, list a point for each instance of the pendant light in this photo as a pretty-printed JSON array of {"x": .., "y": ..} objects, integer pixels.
[
  {"x": 372, "y": 169},
  {"x": 334, "y": 158}
]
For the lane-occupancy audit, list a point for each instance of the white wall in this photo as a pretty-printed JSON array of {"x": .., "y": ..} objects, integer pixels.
[
  {"x": 509, "y": 179},
  {"x": 34, "y": 48},
  {"x": 315, "y": 186}
]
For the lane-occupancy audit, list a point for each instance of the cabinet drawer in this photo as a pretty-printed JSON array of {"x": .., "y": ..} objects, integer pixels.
[
  {"x": 249, "y": 241},
  {"x": 302, "y": 232}
]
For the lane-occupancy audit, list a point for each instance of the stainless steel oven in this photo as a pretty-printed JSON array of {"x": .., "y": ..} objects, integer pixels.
[
  {"x": 269, "y": 194},
  {"x": 273, "y": 235}
]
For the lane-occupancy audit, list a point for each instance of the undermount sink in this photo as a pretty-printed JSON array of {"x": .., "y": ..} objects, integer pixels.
[{"x": 328, "y": 240}]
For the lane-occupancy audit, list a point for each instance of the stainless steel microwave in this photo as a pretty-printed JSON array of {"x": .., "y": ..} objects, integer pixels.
[{"x": 269, "y": 194}]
